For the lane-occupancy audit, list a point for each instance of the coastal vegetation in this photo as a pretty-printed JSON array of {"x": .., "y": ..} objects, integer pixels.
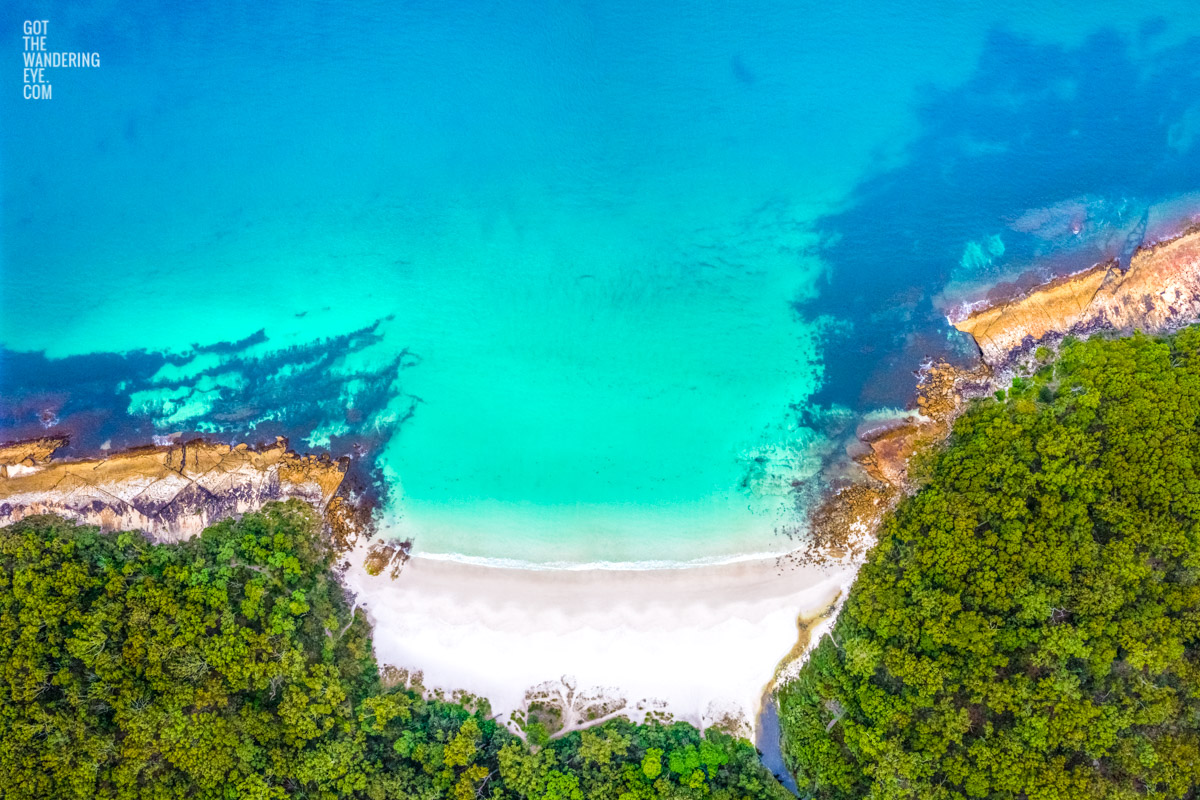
[
  {"x": 1028, "y": 624},
  {"x": 229, "y": 666},
  {"x": 1027, "y": 627}
]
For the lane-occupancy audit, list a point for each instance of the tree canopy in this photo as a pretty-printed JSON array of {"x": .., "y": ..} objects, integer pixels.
[
  {"x": 229, "y": 666},
  {"x": 1027, "y": 625}
]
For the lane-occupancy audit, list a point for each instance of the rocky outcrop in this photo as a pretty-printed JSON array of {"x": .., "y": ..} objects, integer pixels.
[
  {"x": 843, "y": 524},
  {"x": 170, "y": 492},
  {"x": 941, "y": 390},
  {"x": 1158, "y": 292},
  {"x": 20, "y": 458}
]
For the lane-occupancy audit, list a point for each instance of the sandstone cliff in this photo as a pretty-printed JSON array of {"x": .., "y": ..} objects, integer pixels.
[
  {"x": 171, "y": 492},
  {"x": 1158, "y": 292}
]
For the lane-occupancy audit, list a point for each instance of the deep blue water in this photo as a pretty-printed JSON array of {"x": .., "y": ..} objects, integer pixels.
[{"x": 590, "y": 282}]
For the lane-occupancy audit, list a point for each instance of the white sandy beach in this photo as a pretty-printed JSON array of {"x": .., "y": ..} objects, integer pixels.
[{"x": 699, "y": 643}]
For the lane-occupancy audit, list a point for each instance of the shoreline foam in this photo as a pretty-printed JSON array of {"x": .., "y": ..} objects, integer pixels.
[
  {"x": 637, "y": 638},
  {"x": 1158, "y": 291},
  {"x": 634, "y": 642},
  {"x": 600, "y": 639},
  {"x": 588, "y": 566},
  {"x": 508, "y": 634}
]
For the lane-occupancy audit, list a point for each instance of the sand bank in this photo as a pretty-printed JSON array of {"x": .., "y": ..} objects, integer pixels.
[{"x": 700, "y": 644}]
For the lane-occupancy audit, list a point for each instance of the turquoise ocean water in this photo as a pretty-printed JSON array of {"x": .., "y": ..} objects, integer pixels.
[{"x": 578, "y": 283}]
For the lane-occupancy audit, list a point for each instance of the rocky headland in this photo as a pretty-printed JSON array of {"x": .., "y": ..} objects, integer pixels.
[
  {"x": 600, "y": 628},
  {"x": 1158, "y": 292},
  {"x": 173, "y": 492}
]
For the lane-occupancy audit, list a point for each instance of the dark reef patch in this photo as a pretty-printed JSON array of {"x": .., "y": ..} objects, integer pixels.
[
  {"x": 113, "y": 401},
  {"x": 1034, "y": 160}
]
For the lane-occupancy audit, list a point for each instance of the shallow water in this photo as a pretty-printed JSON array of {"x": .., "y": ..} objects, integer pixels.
[{"x": 597, "y": 283}]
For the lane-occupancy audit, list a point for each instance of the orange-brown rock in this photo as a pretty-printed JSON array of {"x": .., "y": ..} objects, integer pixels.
[
  {"x": 387, "y": 555},
  {"x": 891, "y": 448},
  {"x": 19, "y": 457},
  {"x": 1158, "y": 292},
  {"x": 940, "y": 392},
  {"x": 843, "y": 524},
  {"x": 170, "y": 492}
]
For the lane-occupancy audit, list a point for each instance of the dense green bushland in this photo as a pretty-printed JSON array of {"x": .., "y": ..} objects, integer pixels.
[
  {"x": 1028, "y": 625},
  {"x": 230, "y": 667}
]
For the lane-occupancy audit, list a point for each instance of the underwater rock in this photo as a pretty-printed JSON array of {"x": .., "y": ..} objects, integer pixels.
[
  {"x": 171, "y": 492},
  {"x": 1158, "y": 292}
]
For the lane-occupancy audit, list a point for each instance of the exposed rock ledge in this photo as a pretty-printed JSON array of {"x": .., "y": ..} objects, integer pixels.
[
  {"x": 171, "y": 492},
  {"x": 843, "y": 525},
  {"x": 1158, "y": 292}
]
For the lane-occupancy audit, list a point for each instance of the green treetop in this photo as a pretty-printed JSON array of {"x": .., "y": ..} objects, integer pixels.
[
  {"x": 1027, "y": 626},
  {"x": 229, "y": 666}
]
